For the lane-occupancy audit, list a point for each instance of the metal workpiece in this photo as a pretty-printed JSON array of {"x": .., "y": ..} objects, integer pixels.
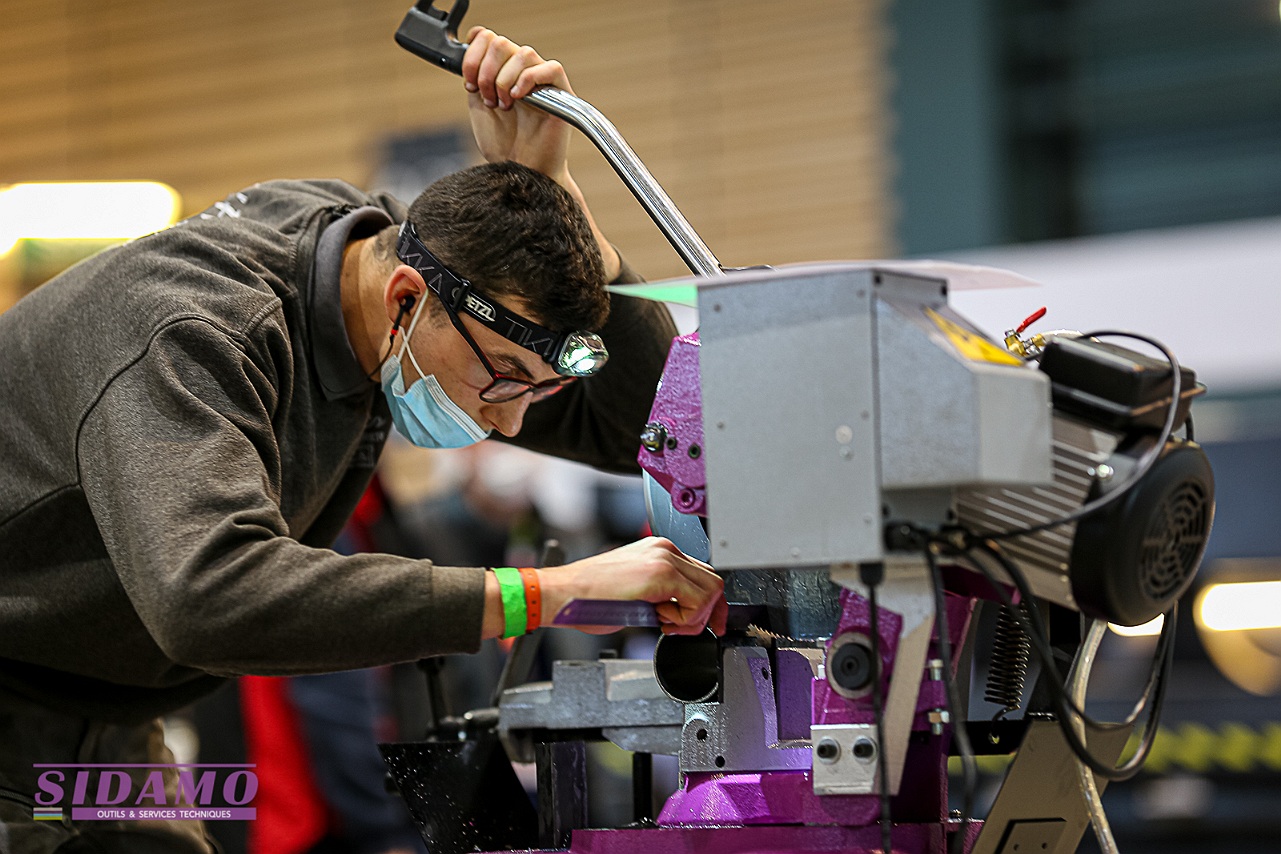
[
  {"x": 618, "y": 696},
  {"x": 688, "y": 667},
  {"x": 741, "y": 733}
]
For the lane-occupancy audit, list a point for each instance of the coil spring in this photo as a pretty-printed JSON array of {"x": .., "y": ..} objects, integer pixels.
[{"x": 1011, "y": 651}]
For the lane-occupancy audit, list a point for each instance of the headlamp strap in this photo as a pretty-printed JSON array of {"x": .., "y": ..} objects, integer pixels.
[{"x": 460, "y": 295}]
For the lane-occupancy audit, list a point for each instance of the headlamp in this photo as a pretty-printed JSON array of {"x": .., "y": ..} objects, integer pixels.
[{"x": 571, "y": 354}]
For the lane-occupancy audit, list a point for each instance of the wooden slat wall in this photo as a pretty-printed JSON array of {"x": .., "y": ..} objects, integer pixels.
[{"x": 766, "y": 122}]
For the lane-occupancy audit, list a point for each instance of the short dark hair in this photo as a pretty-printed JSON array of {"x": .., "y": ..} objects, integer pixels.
[{"x": 512, "y": 231}]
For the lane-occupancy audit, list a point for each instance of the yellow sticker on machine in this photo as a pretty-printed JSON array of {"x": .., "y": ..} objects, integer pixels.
[{"x": 970, "y": 345}]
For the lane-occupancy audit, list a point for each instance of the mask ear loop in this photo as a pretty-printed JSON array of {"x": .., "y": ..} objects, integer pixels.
[
  {"x": 406, "y": 304},
  {"x": 404, "y": 343}
]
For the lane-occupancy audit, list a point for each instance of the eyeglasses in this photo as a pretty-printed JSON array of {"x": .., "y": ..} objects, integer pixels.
[
  {"x": 504, "y": 388},
  {"x": 571, "y": 354}
]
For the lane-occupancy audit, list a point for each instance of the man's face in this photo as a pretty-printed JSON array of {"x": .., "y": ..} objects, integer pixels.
[{"x": 441, "y": 350}]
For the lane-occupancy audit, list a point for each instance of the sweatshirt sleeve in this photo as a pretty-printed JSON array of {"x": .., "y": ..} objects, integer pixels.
[
  {"x": 181, "y": 466},
  {"x": 599, "y": 420}
]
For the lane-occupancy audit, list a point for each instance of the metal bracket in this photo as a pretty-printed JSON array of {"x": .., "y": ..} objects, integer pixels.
[{"x": 906, "y": 591}]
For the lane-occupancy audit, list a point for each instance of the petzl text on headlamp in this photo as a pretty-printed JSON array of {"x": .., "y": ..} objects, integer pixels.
[{"x": 571, "y": 354}]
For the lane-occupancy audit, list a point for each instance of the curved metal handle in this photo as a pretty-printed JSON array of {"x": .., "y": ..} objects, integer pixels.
[
  {"x": 433, "y": 35},
  {"x": 653, "y": 198}
]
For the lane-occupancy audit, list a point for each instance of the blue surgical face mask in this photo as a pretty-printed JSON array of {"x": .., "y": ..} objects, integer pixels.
[{"x": 424, "y": 414}]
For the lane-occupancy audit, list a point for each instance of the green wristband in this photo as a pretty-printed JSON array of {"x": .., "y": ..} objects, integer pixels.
[{"x": 512, "y": 590}]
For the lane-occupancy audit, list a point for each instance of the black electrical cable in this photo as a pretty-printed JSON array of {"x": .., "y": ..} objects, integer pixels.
[
  {"x": 1154, "y": 692},
  {"x": 878, "y": 710},
  {"x": 1038, "y": 632},
  {"x": 1145, "y": 464},
  {"x": 957, "y": 709}
]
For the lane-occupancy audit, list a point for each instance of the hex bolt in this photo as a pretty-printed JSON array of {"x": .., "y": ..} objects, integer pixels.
[
  {"x": 827, "y": 751},
  {"x": 864, "y": 748},
  {"x": 936, "y": 669},
  {"x": 653, "y": 437},
  {"x": 937, "y": 719}
]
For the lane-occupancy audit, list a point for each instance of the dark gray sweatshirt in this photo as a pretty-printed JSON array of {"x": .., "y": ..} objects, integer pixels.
[{"x": 183, "y": 432}]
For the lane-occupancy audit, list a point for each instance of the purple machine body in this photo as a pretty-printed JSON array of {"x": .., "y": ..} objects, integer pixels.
[
  {"x": 776, "y": 811},
  {"x": 672, "y": 445}
]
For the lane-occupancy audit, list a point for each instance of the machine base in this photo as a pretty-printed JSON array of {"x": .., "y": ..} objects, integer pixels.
[{"x": 774, "y": 839}]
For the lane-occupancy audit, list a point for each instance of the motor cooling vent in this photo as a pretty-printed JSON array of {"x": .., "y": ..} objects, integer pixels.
[
  {"x": 1133, "y": 559},
  {"x": 1174, "y": 541}
]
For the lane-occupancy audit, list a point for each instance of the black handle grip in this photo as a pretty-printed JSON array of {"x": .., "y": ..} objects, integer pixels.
[{"x": 433, "y": 34}]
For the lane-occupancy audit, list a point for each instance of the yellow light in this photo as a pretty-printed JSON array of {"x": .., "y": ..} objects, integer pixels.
[
  {"x": 1240, "y": 606},
  {"x": 1149, "y": 629},
  {"x": 99, "y": 210}
]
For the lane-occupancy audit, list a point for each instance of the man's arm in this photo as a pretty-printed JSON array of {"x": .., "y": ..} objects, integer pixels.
[
  {"x": 687, "y": 594},
  {"x": 179, "y": 463},
  {"x": 497, "y": 73},
  {"x": 597, "y": 421}
]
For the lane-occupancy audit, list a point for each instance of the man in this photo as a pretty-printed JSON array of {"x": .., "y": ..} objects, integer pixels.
[{"x": 186, "y": 421}]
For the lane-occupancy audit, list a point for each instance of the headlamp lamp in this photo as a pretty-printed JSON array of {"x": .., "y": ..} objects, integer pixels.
[{"x": 571, "y": 354}]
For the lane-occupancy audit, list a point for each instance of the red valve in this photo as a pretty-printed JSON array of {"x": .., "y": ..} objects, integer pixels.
[{"x": 1032, "y": 318}]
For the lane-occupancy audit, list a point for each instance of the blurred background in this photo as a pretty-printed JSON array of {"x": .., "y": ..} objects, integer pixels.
[{"x": 1126, "y": 154}]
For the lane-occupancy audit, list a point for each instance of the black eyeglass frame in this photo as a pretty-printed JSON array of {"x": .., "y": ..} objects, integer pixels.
[
  {"x": 490, "y": 394},
  {"x": 459, "y": 295}
]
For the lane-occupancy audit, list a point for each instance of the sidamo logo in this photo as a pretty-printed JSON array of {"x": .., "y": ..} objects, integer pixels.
[{"x": 90, "y": 792}]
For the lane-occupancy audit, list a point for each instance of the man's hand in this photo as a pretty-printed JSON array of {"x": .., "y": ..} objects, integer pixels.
[
  {"x": 497, "y": 73},
  {"x": 687, "y": 593}
]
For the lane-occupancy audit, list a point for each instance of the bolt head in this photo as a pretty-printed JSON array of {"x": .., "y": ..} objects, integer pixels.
[{"x": 653, "y": 437}]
